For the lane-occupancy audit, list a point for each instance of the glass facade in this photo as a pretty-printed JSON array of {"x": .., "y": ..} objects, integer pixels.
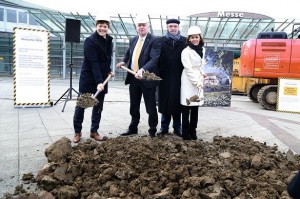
[
  {"x": 11, "y": 15},
  {"x": 23, "y": 17},
  {"x": 32, "y": 20},
  {"x": 6, "y": 52},
  {"x": 1, "y": 14},
  {"x": 220, "y": 30}
]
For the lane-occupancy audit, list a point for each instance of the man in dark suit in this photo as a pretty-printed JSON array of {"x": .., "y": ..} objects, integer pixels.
[
  {"x": 142, "y": 55},
  {"x": 95, "y": 69}
]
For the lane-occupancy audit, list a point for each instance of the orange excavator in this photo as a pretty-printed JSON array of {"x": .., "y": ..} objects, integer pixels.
[{"x": 270, "y": 56}]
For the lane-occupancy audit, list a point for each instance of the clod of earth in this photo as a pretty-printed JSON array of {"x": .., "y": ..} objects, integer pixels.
[
  {"x": 194, "y": 98},
  {"x": 86, "y": 100},
  {"x": 141, "y": 167},
  {"x": 150, "y": 76}
]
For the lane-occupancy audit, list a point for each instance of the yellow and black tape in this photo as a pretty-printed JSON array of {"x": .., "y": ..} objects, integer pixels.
[
  {"x": 278, "y": 90},
  {"x": 48, "y": 68},
  {"x": 49, "y": 64},
  {"x": 14, "y": 65}
]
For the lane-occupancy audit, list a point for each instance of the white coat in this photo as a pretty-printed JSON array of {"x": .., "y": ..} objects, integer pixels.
[{"x": 192, "y": 74}]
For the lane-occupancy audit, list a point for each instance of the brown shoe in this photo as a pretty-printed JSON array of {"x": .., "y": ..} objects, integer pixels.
[
  {"x": 76, "y": 138},
  {"x": 97, "y": 137}
]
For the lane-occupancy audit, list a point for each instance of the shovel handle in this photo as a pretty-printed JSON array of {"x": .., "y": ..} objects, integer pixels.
[
  {"x": 105, "y": 82},
  {"x": 128, "y": 70}
]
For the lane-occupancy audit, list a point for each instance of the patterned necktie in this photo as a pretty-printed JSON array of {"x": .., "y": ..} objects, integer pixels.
[{"x": 138, "y": 49}]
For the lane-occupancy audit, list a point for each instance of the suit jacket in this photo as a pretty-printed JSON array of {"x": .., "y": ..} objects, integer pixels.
[
  {"x": 148, "y": 58},
  {"x": 96, "y": 62}
]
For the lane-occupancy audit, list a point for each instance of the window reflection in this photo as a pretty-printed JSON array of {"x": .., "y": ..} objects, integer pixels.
[
  {"x": 23, "y": 17},
  {"x": 32, "y": 20},
  {"x": 1, "y": 14},
  {"x": 11, "y": 16}
]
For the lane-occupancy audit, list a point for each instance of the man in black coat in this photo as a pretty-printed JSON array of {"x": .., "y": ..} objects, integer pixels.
[
  {"x": 170, "y": 69},
  {"x": 95, "y": 69},
  {"x": 294, "y": 186},
  {"x": 142, "y": 55}
]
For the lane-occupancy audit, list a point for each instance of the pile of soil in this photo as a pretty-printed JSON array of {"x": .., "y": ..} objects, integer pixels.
[{"x": 167, "y": 167}]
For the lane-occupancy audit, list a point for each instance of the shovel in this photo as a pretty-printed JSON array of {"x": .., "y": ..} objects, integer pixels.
[
  {"x": 195, "y": 98},
  {"x": 146, "y": 75},
  {"x": 128, "y": 70},
  {"x": 89, "y": 100}
]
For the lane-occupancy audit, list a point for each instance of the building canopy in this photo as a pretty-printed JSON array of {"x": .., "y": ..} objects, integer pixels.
[{"x": 220, "y": 29}]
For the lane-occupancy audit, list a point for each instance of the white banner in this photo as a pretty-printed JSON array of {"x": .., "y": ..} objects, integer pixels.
[
  {"x": 31, "y": 67},
  {"x": 288, "y": 95}
]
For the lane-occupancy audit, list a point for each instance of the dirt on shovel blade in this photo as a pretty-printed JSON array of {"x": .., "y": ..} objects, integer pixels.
[
  {"x": 86, "y": 100},
  {"x": 194, "y": 98},
  {"x": 141, "y": 167},
  {"x": 150, "y": 76}
]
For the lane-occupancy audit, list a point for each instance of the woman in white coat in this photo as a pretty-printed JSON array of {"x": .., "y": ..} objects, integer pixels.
[{"x": 192, "y": 79}]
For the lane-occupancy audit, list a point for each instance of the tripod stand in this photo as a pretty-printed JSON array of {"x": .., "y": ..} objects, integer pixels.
[{"x": 69, "y": 91}]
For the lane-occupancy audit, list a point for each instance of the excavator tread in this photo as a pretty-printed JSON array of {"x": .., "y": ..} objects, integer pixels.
[
  {"x": 261, "y": 97},
  {"x": 253, "y": 91}
]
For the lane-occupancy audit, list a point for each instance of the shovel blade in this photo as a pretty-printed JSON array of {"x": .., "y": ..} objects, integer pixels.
[{"x": 86, "y": 100}]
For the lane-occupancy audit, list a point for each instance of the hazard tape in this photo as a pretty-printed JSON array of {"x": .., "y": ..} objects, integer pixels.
[
  {"x": 48, "y": 103},
  {"x": 278, "y": 90}
]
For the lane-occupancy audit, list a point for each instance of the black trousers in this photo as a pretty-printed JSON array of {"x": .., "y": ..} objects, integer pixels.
[
  {"x": 166, "y": 119},
  {"x": 189, "y": 120},
  {"x": 136, "y": 91},
  {"x": 96, "y": 115}
]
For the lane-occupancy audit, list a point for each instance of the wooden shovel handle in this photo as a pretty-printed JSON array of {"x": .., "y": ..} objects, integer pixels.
[
  {"x": 128, "y": 70},
  {"x": 105, "y": 82}
]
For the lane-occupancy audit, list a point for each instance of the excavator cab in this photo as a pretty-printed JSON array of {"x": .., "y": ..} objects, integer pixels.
[{"x": 272, "y": 35}]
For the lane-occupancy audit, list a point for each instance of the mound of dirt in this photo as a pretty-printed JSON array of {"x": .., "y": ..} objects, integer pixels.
[{"x": 141, "y": 167}]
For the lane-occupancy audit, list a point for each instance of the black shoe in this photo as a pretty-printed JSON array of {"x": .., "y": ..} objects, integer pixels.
[
  {"x": 187, "y": 137},
  {"x": 129, "y": 132},
  {"x": 193, "y": 136},
  {"x": 162, "y": 132},
  {"x": 152, "y": 135},
  {"x": 178, "y": 133}
]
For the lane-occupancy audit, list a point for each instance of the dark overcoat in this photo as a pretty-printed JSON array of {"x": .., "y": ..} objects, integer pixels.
[
  {"x": 294, "y": 186},
  {"x": 96, "y": 63},
  {"x": 148, "y": 58},
  {"x": 170, "y": 69}
]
